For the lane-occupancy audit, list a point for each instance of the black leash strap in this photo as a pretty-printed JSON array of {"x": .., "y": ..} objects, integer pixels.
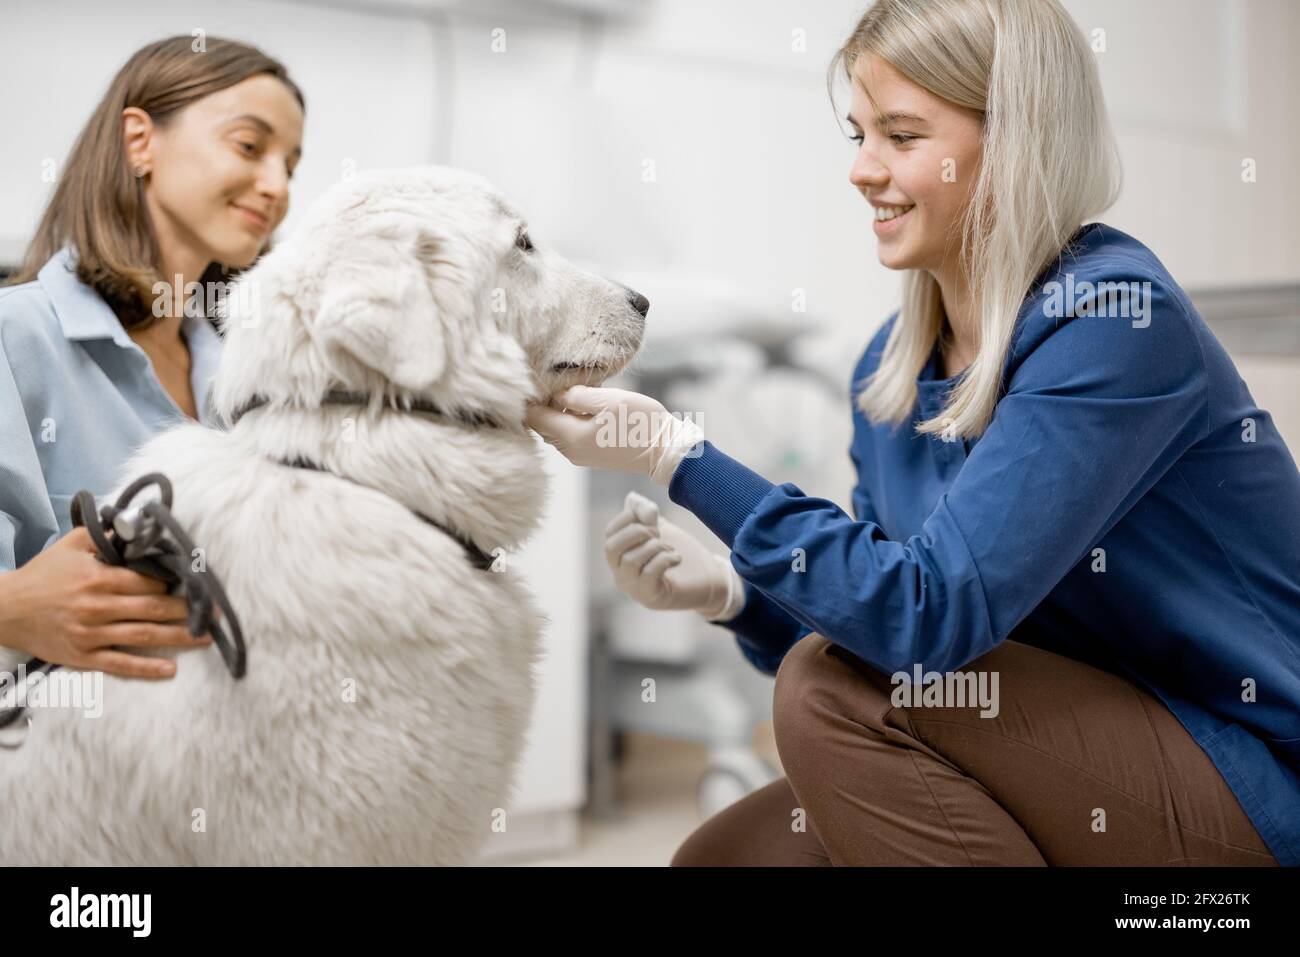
[
  {"x": 469, "y": 417},
  {"x": 473, "y": 554},
  {"x": 157, "y": 546}
]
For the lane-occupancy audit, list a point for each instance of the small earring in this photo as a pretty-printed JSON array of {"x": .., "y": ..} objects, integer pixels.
[{"x": 140, "y": 172}]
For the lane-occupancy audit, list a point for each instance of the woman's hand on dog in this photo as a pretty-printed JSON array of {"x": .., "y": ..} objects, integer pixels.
[
  {"x": 615, "y": 429},
  {"x": 67, "y": 607}
]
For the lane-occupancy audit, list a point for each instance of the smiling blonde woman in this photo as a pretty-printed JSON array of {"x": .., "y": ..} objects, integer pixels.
[{"x": 1065, "y": 492}]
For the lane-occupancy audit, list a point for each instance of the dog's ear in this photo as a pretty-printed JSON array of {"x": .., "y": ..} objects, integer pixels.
[{"x": 381, "y": 311}]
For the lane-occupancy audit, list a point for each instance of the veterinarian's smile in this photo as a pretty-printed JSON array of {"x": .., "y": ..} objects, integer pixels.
[{"x": 256, "y": 220}]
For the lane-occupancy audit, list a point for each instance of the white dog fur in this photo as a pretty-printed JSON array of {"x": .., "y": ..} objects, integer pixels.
[{"x": 413, "y": 283}]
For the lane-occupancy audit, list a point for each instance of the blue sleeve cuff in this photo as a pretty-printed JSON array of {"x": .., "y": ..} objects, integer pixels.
[
  {"x": 764, "y": 632},
  {"x": 717, "y": 489},
  {"x": 722, "y": 494}
]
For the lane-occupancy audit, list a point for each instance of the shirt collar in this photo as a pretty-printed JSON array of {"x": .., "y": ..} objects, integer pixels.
[
  {"x": 82, "y": 312},
  {"x": 205, "y": 355},
  {"x": 931, "y": 374}
]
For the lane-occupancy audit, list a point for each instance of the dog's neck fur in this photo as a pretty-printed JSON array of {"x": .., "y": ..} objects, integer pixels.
[{"x": 489, "y": 484}]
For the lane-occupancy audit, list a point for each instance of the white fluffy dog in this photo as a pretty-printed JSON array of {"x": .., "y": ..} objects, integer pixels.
[{"x": 389, "y": 679}]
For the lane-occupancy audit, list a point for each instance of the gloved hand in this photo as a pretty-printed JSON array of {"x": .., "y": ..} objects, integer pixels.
[
  {"x": 664, "y": 567},
  {"x": 615, "y": 429}
]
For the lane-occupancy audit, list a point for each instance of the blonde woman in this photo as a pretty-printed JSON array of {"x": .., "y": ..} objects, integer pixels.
[{"x": 1065, "y": 492}]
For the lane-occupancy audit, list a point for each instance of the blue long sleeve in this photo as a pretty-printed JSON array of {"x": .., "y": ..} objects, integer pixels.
[
  {"x": 1097, "y": 410},
  {"x": 1129, "y": 504},
  {"x": 764, "y": 630}
]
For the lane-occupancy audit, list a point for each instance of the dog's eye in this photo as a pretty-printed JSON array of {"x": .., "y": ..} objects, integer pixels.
[{"x": 523, "y": 242}]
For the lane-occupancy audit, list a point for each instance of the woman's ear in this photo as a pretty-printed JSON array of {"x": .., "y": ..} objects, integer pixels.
[
  {"x": 137, "y": 132},
  {"x": 383, "y": 314}
]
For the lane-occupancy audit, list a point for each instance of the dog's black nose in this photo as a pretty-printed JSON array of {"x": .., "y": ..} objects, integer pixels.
[{"x": 639, "y": 302}]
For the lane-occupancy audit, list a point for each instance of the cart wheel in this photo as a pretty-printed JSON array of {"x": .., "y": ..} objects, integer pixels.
[
  {"x": 730, "y": 776},
  {"x": 719, "y": 788}
]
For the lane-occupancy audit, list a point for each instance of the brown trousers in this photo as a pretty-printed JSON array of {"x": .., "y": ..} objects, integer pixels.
[{"x": 1078, "y": 767}]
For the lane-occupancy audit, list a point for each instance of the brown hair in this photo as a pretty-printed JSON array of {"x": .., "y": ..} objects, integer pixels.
[{"x": 98, "y": 206}]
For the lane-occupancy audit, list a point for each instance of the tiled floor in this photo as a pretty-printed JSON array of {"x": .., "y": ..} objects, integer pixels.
[{"x": 657, "y": 809}]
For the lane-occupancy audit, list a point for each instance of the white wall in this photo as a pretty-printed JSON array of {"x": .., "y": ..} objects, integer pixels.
[
  {"x": 369, "y": 101},
  {"x": 751, "y": 170},
  {"x": 1194, "y": 88}
]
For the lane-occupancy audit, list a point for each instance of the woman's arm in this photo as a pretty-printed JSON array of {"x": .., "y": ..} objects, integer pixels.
[
  {"x": 63, "y": 605},
  {"x": 11, "y": 653},
  {"x": 764, "y": 630},
  {"x": 1096, "y": 411}
]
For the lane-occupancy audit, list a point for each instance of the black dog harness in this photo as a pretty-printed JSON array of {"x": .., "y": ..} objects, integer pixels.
[
  {"x": 472, "y": 417},
  {"x": 475, "y": 555},
  {"x": 153, "y": 543},
  {"x": 468, "y": 417}
]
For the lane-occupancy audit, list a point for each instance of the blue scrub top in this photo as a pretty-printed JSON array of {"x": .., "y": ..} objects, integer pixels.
[
  {"x": 1133, "y": 436},
  {"x": 77, "y": 397}
]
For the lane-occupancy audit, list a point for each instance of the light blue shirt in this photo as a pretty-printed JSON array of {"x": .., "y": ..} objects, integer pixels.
[{"x": 77, "y": 397}]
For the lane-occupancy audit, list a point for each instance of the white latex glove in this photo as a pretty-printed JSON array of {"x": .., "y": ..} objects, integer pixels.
[
  {"x": 615, "y": 429},
  {"x": 663, "y": 567}
]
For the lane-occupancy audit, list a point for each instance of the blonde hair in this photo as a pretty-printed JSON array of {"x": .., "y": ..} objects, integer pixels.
[{"x": 1049, "y": 162}]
